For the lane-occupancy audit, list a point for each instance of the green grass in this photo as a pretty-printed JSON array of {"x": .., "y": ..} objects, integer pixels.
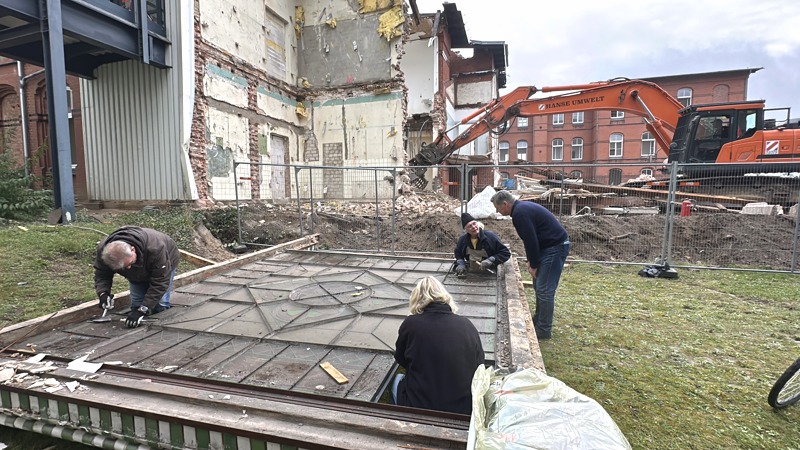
[
  {"x": 678, "y": 364},
  {"x": 684, "y": 363},
  {"x": 47, "y": 268}
]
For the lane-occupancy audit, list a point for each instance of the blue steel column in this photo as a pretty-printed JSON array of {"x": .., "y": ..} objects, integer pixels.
[{"x": 55, "y": 73}]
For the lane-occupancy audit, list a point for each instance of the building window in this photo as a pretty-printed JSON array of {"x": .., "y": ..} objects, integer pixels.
[
  {"x": 615, "y": 142},
  {"x": 615, "y": 176},
  {"x": 522, "y": 150},
  {"x": 577, "y": 149},
  {"x": 503, "y": 157},
  {"x": 685, "y": 96},
  {"x": 617, "y": 115},
  {"x": 558, "y": 119},
  {"x": 69, "y": 102},
  {"x": 576, "y": 174},
  {"x": 558, "y": 149},
  {"x": 648, "y": 145},
  {"x": 577, "y": 117},
  {"x": 647, "y": 172},
  {"x": 522, "y": 123}
]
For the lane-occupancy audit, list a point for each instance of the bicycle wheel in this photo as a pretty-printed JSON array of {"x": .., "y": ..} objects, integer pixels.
[{"x": 786, "y": 390}]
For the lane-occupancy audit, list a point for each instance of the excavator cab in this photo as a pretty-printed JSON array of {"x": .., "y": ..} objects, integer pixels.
[{"x": 705, "y": 131}]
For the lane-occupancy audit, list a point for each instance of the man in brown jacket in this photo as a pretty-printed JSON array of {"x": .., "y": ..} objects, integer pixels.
[{"x": 148, "y": 259}]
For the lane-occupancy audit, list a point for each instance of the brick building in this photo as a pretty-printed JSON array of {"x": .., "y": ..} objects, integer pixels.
[
  {"x": 609, "y": 137},
  {"x": 30, "y": 142}
]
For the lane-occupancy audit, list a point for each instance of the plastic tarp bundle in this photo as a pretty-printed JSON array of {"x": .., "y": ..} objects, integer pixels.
[
  {"x": 529, "y": 410},
  {"x": 480, "y": 206}
]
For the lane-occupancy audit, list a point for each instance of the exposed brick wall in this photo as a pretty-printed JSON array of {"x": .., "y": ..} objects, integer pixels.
[
  {"x": 333, "y": 155},
  {"x": 254, "y": 154},
  {"x": 198, "y": 141},
  {"x": 311, "y": 149}
]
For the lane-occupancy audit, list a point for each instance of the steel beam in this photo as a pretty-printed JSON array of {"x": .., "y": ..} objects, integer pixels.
[
  {"x": 21, "y": 9},
  {"x": 25, "y": 34},
  {"x": 55, "y": 72}
]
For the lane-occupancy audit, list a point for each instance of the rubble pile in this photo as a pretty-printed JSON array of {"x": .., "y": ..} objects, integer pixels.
[{"x": 411, "y": 205}]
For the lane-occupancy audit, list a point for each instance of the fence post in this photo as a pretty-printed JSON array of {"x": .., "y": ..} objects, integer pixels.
[
  {"x": 377, "y": 216},
  {"x": 464, "y": 169},
  {"x": 561, "y": 193},
  {"x": 394, "y": 208},
  {"x": 666, "y": 243},
  {"x": 796, "y": 237},
  {"x": 311, "y": 197},
  {"x": 236, "y": 194},
  {"x": 297, "y": 189}
]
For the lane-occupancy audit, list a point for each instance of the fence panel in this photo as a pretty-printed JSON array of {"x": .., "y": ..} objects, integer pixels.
[{"x": 704, "y": 223}]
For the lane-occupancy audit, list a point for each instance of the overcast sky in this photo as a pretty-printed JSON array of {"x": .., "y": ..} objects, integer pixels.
[{"x": 579, "y": 41}]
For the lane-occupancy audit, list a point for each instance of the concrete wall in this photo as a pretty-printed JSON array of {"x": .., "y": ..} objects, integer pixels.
[
  {"x": 258, "y": 32},
  {"x": 475, "y": 93},
  {"x": 244, "y": 114},
  {"x": 419, "y": 67},
  {"x": 351, "y": 53}
]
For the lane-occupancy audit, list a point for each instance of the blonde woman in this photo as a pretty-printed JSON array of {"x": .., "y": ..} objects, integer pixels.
[{"x": 440, "y": 351}]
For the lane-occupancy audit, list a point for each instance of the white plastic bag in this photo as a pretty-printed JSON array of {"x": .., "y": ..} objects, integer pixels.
[
  {"x": 480, "y": 206},
  {"x": 529, "y": 410}
]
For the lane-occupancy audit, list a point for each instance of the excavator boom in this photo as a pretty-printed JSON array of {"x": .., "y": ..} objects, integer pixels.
[{"x": 659, "y": 110}]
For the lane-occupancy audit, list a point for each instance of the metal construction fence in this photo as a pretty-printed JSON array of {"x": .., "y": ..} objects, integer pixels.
[{"x": 682, "y": 216}]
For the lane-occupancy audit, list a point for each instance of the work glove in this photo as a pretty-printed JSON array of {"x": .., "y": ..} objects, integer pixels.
[
  {"x": 105, "y": 300},
  {"x": 134, "y": 318},
  {"x": 461, "y": 269},
  {"x": 487, "y": 263}
]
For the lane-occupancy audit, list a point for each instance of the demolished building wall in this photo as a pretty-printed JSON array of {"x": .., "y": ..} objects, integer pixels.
[
  {"x": 275, "y": 83},
  {"x": 248, "y": 108},
  {"x": 338, "y": 102}
]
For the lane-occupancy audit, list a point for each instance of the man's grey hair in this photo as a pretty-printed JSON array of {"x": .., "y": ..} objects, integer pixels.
[
  {"x": 502, "y": 197},
  {"x": 115, "y": 254}
]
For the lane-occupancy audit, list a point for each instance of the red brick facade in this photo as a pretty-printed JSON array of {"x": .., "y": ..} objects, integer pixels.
[
  {"x": 38, "y": 126},
  {"x": 597, "y": 128}
]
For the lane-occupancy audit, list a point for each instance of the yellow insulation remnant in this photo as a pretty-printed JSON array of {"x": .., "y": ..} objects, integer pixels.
[
  {"x": 390, "y": 22},
  {"x": 368, "y": 6},
  {"x": 301, "y": 110},
  {"x": 331, "y": 23},
  {"x": 299, "y": 21}
]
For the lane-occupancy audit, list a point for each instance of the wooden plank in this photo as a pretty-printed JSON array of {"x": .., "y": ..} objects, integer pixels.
[
  {"x": 335, "y": 374},
  {"x": 196, "y": 259}
]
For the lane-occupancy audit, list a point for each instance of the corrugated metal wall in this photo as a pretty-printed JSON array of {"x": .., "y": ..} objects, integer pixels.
[{"x": 132, "y": 129}]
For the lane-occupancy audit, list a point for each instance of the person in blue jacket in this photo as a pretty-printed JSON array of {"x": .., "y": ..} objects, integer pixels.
[
  {"x": 479, "y": 248},
  {"x": 546, "y": 247}
]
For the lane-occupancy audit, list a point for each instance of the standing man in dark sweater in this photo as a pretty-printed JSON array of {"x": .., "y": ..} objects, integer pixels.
[
  {"x": 546, "y": 247},
  {"x": 148, "y": 259},
  {"x": 440, "y": 351}
]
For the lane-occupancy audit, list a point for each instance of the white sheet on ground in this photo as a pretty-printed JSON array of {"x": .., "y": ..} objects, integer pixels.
[{"x": 528, "y": 409}]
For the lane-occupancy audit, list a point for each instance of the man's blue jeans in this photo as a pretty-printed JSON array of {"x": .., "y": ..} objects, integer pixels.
[
  {"x": 138, "y": 291},
  {"x": 547, "y": 278}
]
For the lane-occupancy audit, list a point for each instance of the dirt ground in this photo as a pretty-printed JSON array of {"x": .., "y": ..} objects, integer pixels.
[{"x": 428, "y": 224}]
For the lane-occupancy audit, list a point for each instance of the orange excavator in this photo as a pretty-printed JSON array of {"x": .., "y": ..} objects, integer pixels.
[{"x": 716, "y": 140}]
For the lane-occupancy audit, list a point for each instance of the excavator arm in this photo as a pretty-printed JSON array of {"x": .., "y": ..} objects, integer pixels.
[{"x": 658, "y": 108}]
